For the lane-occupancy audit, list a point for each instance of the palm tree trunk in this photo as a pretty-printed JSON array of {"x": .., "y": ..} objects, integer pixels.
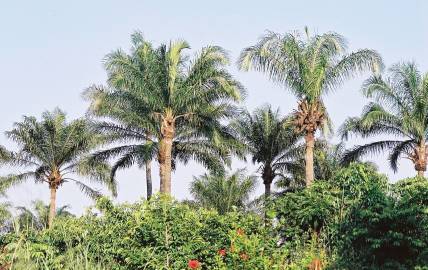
[
  {"x": 165, "y": 168},
  {"x": 309, "y": 157},
  {"x": 149, "y": 179},
  {"x": 52, "y": 206},
  {"x": 267, "y": 190},
  {"x": 165, "y": 153},
  {"x": 267, "y": 177},
  {"x": 267, "y": 181},
  {"x": 267, "y": 196},
  {"x": 420, "y": 160}
]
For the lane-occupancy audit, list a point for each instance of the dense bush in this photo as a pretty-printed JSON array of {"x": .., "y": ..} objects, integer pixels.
[
  {"x": 325, "y": 203},
  {"x": 160, "y": 234},
  {"x": 388, "y": 230},
  {"x": 360, "y": 220},
  {"x": 355, "y": 220}
]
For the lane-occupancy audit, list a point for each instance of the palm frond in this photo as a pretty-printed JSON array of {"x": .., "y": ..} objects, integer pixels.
[{"x": 371, "y": 148}]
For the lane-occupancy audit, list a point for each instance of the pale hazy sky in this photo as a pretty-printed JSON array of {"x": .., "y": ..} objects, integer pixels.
[{"x": 52, "y": 50}]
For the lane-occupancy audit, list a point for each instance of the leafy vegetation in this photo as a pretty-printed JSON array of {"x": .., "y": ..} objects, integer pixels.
[
  {"x": 330, "y": 209},
  {"x": 37, "y": 218},
  {"x": 272, "y": 144},
  {"x": 222, "y": 192}
]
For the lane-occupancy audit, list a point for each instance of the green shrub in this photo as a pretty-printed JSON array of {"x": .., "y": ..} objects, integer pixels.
[
  {"x": 160, "y": 234},
  {"x": 355, "y": 220},
  {"x": 387, "y": 230},
  {"x": 323, "y": 205}
]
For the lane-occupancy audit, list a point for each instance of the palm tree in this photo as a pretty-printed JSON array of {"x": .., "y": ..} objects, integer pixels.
[
  {"x": 52, "y": 151},
  {"x": 328, "y": 159},
  {"x": 5, "y": 216},
  {"x": 133, "y": 145},
  {"x": 310, "y": 67},
  {"x": 177, "y": 105},
  {"x": 223, "y": 192},
  {"x": 38, "y": 216},
  {"x": 5, "y": 213},
  {"x": 399, "y": 109},
  {"x": 271, "y": 143}
]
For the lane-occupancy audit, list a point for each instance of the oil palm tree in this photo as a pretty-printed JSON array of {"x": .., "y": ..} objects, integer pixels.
[
  {"x": 5, "y": 216},
  {"x": 52, "y": 151},
  {"x": 223, "y": 192},
  {"x": 310, "y": 68},
  {"x": 5, "y": 213},
  {"x": 400, "y": 110},
  {"x": 177, "y": 105},
  {"x": 271, "y": 143},
  {"x": 37, "y": 217},
  {"x": 132, "y": 145}
]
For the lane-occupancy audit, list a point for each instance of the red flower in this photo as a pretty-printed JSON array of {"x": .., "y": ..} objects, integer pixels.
[
  {"x": 194, "y": 264},
  {"x": 240, "y": 232},
  {"x": 244, "y": 256},
  {"x": 222, "y": 252}
]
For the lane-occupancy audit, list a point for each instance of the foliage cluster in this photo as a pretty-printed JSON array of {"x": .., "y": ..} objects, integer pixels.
[{"x": 353, "y": 219}]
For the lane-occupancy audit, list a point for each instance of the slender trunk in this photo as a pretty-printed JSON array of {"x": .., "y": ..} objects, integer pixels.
[
  {"x": 149, "y": 179},
  {"x": 420, "y": 159},
  {"x": 52, "y": 206},
  {"x": 267, "y": 190},
  {"x": 267, "y": 177},
  {"x": 165, "y": 153},
  {"x": 309, "y": 157},
  {"x": 266, "y": 203}
]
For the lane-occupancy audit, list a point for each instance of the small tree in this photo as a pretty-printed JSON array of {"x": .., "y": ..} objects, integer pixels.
[{"x": 271, "y": 143}]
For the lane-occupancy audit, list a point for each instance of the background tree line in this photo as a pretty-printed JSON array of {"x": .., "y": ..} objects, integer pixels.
[{"x": 161, "y": 105}]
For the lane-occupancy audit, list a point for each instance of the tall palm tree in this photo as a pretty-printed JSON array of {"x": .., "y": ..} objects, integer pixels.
[
  {"x": 37, "y": 217},
  {"x": 399, "y": 109},
  {"x": 271, "y": 143},
  {"x": 178, "y": 105},
  {"x": 310, "y": 68},
  {"x": 223, "y": 192},
  {"x": 52, "y": 151}
]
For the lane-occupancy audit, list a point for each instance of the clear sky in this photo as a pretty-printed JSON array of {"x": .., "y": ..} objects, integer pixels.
[{"x": 52, "y": 50}]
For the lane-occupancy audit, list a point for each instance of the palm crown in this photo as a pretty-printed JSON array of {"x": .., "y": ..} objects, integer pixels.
[
  {"x": 223, "y": 192},
  {"x": 53, "y": 151},
  {"x": 37, "y": 217},
  {"x": 271, "y": 143},
  {"x": 178, "y": 105},
  {"x": 310, "y": 68},
  {"x": 400, "y": 109}
]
